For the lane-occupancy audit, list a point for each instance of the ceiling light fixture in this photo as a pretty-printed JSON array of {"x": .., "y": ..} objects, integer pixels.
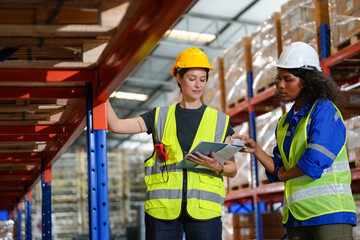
[
  {"x": 129, "y": 96},
  {"x": 191, "y": 36}
]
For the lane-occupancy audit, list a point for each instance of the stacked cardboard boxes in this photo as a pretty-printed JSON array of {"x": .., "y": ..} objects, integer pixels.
[
  {"x": 243, "y": 163},
  {"x": 242, "y": 226},
  {"x": 298, "y": 22},
  {"x": 214, "y": 94},
  {"x": 344, "y": 22},
  {"x": 353, "y": 144},
  {"x": 236, "y": 64},
  {"x": 265, "y": 49}
]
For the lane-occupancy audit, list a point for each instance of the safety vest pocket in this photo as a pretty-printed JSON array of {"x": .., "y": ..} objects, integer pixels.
[
  {"x": 212, "y": 192},
  {"x": 210, "y": 183},
  {"x": 156, "y": 203},
  {"x": 172, "y": 152},
  {"x": 155, "y": 179},
  {"x": 211, "y": 201}
]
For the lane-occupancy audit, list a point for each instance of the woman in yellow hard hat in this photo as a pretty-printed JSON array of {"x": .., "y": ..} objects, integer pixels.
[
  {"x": 183, "y": 201},
  {"x": 310, "y": 155}
]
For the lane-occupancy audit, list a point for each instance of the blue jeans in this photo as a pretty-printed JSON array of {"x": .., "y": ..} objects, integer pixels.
[{"x": 157, "y": 229}]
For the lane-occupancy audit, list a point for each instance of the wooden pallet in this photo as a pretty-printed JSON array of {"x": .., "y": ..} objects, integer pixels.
[
  {"x": 263, "y": 182},
  {"x": 234, "y": 104},
  {"x": 242, "y": 186},
  {"x": 263, "y": 88},
  {"x": 355, "y": 164},
  {"x": 352, "y": 40}
]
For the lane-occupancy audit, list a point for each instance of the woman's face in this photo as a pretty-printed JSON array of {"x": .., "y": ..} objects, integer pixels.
[
  {"x": 193, "y": 83},
  {"x": 289, "y": 86}
]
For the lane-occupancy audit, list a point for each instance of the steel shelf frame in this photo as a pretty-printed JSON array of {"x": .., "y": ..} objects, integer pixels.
[
  {"x": 128, "y": 50},
  {"x": 274, "y": 192},
  {"x": 28, "y": 199}
]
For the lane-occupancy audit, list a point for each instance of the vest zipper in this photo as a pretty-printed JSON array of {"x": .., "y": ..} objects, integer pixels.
[{"x": 184, "y": 192}]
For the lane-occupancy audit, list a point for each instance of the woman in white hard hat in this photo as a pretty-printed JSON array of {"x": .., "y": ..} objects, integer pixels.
[
  {"x": 182, "y": 201},
  {"x": 310, "y": 156}
]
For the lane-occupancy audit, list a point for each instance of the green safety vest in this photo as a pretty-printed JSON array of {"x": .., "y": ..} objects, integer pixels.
[
  {"x": 205, "y": 190},
  {"x": 307, "y": 198}
]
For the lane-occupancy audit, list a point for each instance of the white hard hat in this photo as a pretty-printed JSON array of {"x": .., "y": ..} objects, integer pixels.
[{"x": 298, "y": 55}]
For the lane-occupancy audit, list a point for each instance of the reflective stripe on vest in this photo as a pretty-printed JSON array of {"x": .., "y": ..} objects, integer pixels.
[
  {"x": 172, "y": 168},
  {"x": 335, "y": 167},
  {"x": 177, "y": 194},
  {"x": 303, "y": 194},
  {"x": 319, "y": 191},
  {"x": 205, "y": 189}
]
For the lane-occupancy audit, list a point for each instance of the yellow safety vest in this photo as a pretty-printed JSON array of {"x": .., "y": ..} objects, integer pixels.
[
  {"x": 307, "y": 198},
  {"x": 204, "y": 188}
]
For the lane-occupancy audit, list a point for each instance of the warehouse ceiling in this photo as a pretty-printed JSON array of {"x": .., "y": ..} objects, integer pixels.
[
  {"x": 51, "y": 52},
  {"x": 228, "y": 20},
  {"x": 74, "y": 34}
]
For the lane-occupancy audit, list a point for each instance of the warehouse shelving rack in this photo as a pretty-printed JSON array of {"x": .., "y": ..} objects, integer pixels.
[
  {"x": 347, "y": 58},
  {"x": 79, "y": 91}
]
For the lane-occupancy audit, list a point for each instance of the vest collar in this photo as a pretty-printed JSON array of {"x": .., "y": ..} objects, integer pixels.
[{"x": 303, "y": 111}]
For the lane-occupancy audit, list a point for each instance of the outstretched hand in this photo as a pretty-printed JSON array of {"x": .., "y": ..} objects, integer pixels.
[
  {"x": 249, "y": 144},
  {"x": 200, "y": 159}
]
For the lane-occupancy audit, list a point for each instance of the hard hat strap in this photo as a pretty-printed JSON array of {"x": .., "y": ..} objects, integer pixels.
[{"x": 308, "y": 67}]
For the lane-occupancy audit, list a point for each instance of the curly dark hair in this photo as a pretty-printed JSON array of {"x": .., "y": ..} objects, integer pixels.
[{"x": 317, "y": 85}]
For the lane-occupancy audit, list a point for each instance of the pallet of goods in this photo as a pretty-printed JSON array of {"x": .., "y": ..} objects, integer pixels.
[
  {"x": 344, "y": 23},
  {"x": 243, "y": 164},
  {"x": 214, "y": 94},
  {"x": 298, "y": 23},
  {"x": 265, "y": 48},
  {"x": 242, "y": 226},
  {"x": 353, "y": 144},
  {"x": 237, "y": 61}
]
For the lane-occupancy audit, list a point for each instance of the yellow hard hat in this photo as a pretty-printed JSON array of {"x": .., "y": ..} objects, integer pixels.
[{"x": 191, "y": 58}]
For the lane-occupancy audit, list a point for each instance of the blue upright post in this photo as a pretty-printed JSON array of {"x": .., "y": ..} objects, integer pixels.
[
  {"x": 92, "y": 167},
  {"x": 103, "y": 192},
  {"x": 257, "y": 213},
  {"x": 46, "y": 202},
  {"x": 18, "y": 223},
  {"x": 324, "y": 41},
  {"x": 28, "y": 199}
]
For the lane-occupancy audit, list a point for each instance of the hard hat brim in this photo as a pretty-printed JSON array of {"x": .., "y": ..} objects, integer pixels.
[{"x": 292, "y": 67}]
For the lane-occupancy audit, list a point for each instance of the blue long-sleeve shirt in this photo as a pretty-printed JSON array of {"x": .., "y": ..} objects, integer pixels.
[{"x": 327, "y": 130}]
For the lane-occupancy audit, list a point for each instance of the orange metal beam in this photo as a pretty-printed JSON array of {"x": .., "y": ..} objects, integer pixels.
[
  {"x": 20, "y": 161},
  {"x": 18, "y": 156},
  {"x": 29, "y": 138},
  {"x": 42, "y": 92},
  {"x": 146, "y": 28},
  {"x": 100, "y": 117},
  {"x": 36, "y": 129},
  {"x": 33, "y": 75},
  {"x": 16, "y": 176}
]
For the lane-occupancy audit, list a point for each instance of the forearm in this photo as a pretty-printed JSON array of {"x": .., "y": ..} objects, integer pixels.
[
  {"x": 124, "y": 126},
  {"x": 293, "y": 172},
  {"x": 265, "y": 159},
  {"x": 228, "y": 169},
  {"x": 111, "y": 117}
]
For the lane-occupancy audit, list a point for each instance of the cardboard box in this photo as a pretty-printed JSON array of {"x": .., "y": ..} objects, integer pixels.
[
  {"x": 350, "y": 113},
  {"x": 271, "y": 219},
  {"x": 243, "y": 220},
  {"x": 351, "y": 26},
  {"x": 244, "y": 233},
  {"x": 273, "y": 232},
  {"x": 352, "y": 99},
  {"x": 347, "y": 7}
]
